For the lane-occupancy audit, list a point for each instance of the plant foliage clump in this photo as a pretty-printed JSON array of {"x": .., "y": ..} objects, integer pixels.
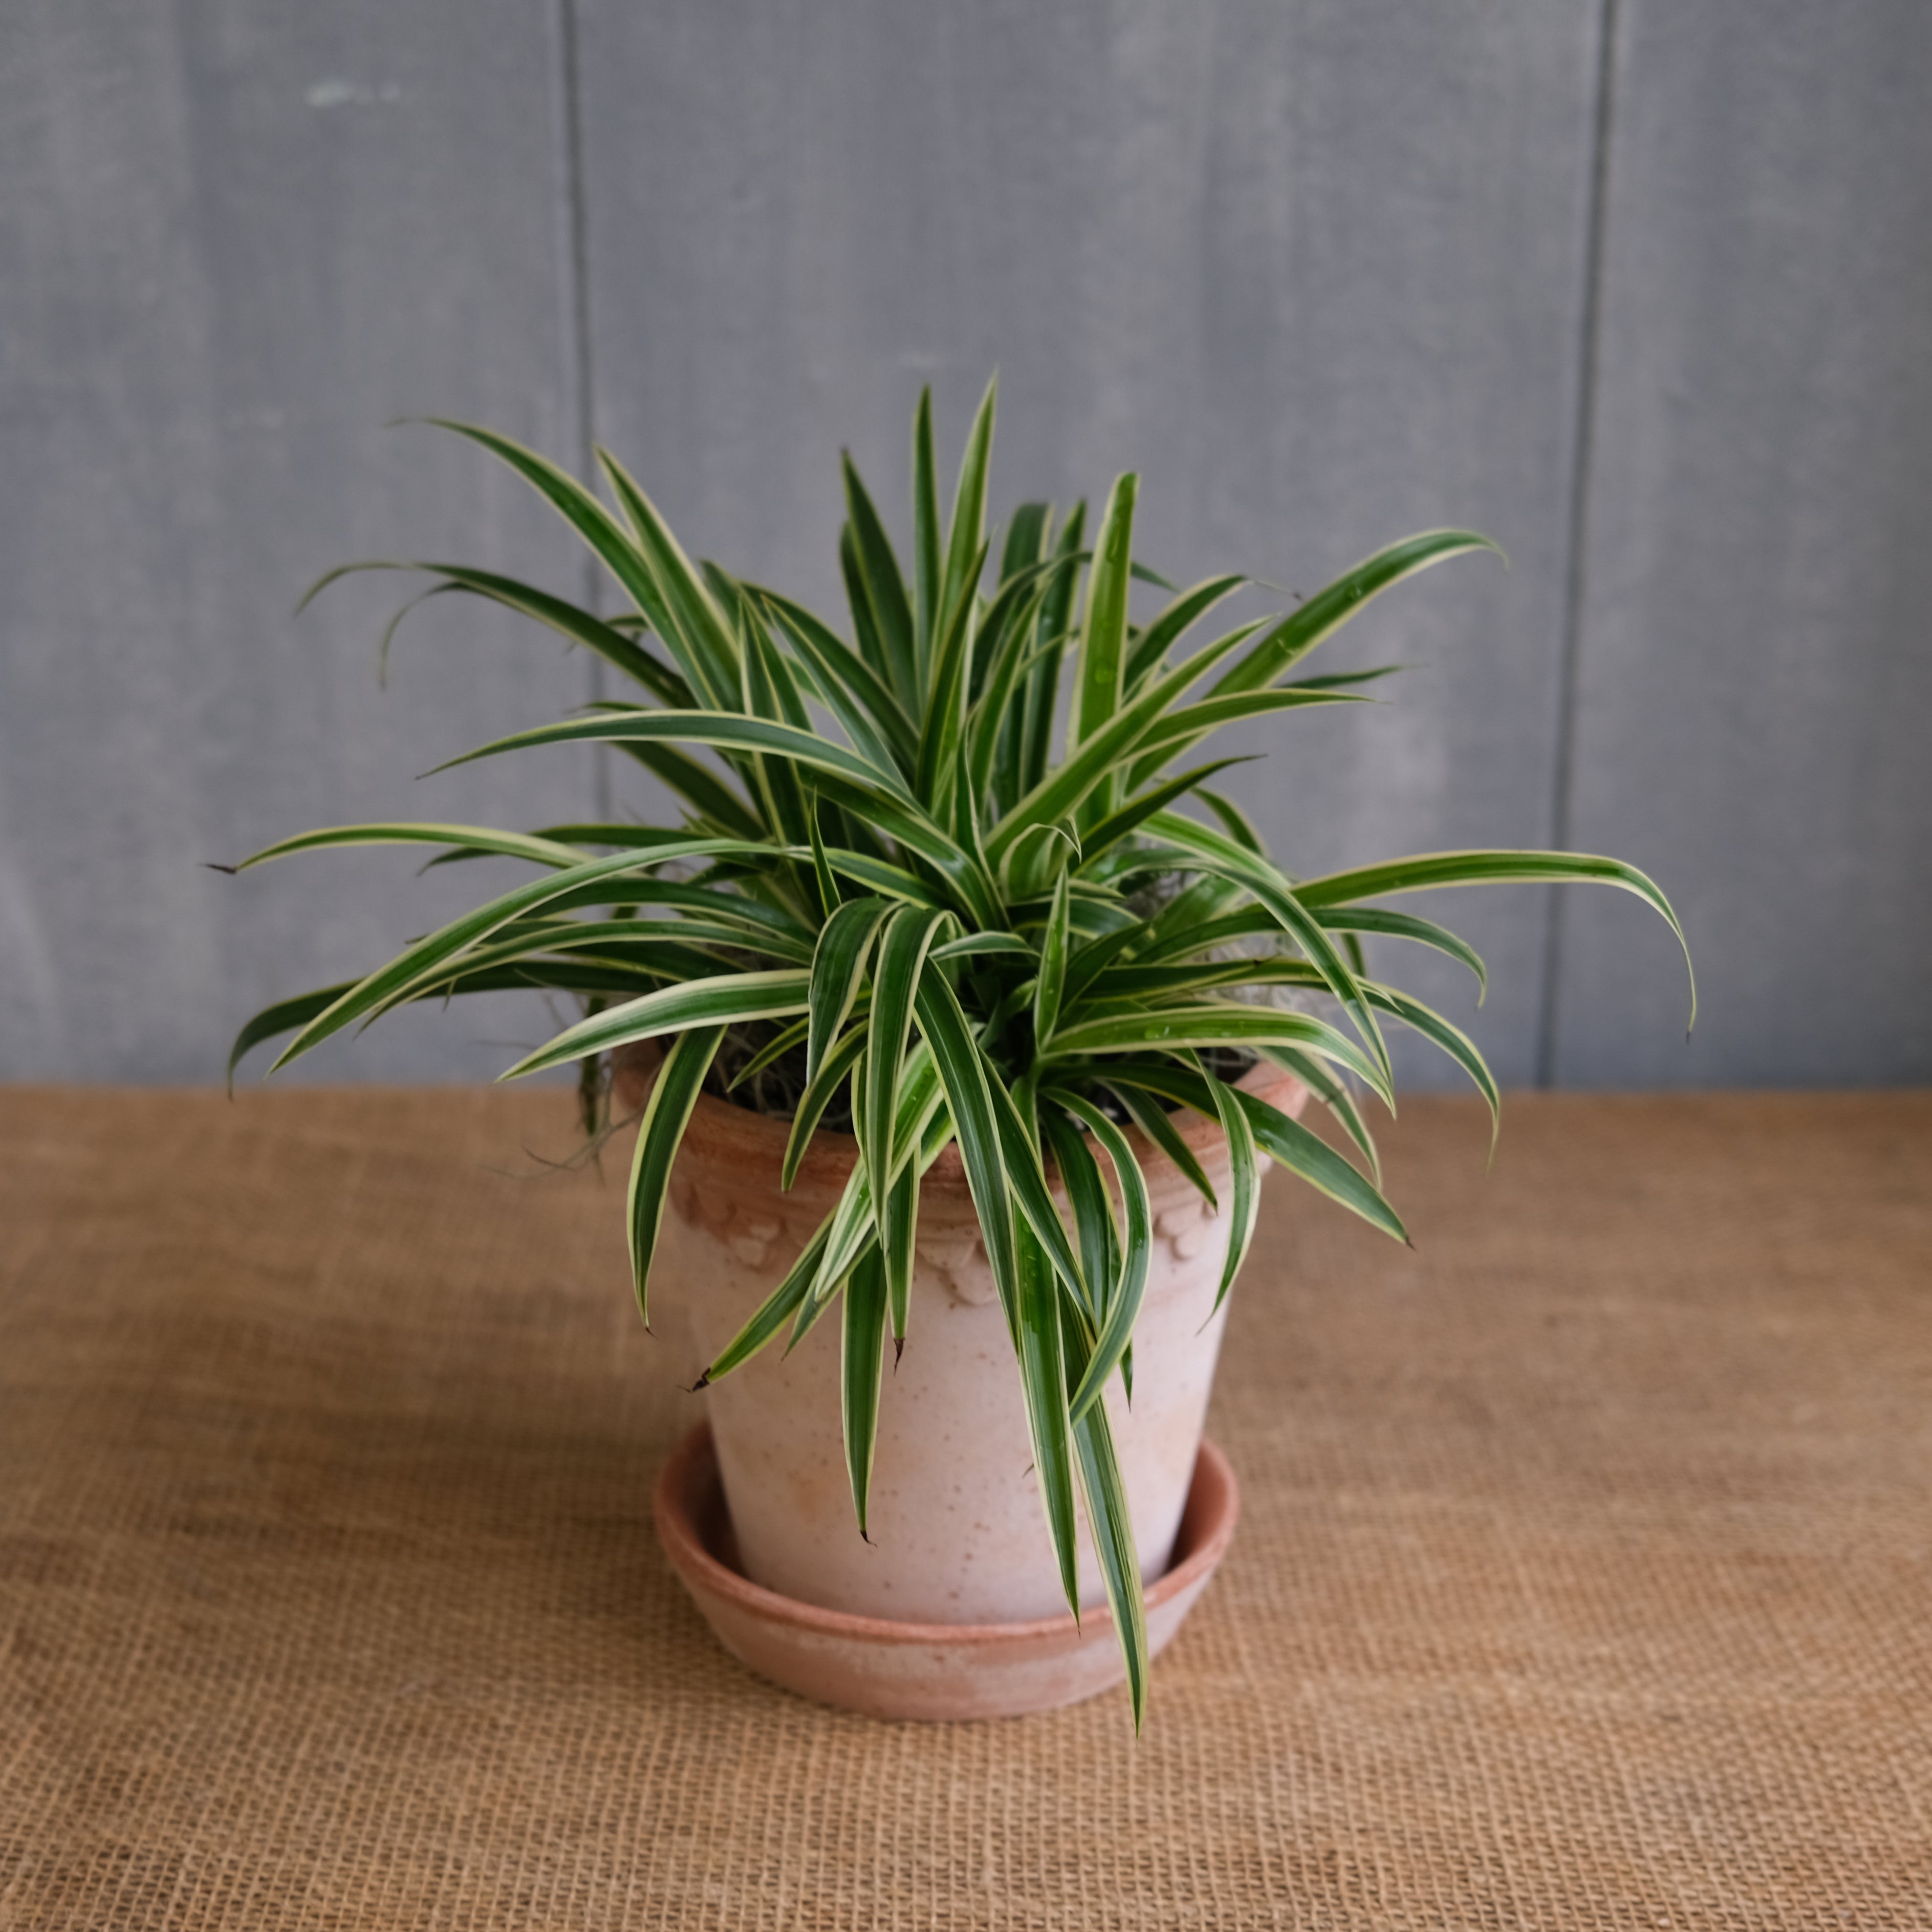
[{"x": 946, "y": 913}]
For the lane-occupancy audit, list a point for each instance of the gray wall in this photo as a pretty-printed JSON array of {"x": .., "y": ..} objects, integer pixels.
[{"x": 1642, "y": 289}]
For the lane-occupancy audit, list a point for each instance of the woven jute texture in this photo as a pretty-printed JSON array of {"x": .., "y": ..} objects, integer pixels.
[{"x": 1585, "y": 1579}]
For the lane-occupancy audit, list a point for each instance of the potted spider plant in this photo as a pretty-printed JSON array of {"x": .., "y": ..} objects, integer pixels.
[{"x": 961, "y": 1005}]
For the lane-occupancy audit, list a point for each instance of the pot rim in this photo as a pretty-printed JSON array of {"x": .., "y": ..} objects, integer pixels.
[{"x": 718, "y": 1130}]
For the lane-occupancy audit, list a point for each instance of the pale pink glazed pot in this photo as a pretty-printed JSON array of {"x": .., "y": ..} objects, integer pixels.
[{"x": 957, "y": 1534}]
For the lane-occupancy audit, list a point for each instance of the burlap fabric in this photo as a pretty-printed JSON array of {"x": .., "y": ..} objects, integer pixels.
[{"x": 1585, "y": 1579}]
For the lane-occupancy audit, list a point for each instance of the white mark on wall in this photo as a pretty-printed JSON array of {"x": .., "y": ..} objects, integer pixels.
[{"x": 326, "y": 94}]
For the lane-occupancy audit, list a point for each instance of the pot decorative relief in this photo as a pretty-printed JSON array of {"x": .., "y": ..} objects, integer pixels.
[{"x": 957, "y": 1534}]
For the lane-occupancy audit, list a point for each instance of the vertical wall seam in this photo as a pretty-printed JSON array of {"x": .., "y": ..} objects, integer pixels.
[
  {"x": 573, "y": 276},
  {"x": 1562, "y": 777}
]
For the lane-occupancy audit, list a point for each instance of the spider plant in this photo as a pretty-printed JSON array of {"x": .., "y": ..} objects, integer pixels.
[{"x": 954, "y": 917}]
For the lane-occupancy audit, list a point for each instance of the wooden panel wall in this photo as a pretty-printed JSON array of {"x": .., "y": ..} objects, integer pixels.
[
  {"x": 240, "y": 237},
  {"x": 1755, "y": 669},
  {"x": 1636, "y": 290}
]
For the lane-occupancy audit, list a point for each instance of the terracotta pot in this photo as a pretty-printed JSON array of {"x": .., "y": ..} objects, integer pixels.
[
  {"x": 930, "y": 1671},
  {"x": 958, "y": 1533}
]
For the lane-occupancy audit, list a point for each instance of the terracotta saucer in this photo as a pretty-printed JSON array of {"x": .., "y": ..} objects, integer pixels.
[{"x": 890, "y": 1670}]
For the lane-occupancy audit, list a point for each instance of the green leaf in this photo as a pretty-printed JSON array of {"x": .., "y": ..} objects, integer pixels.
[
  {"x": 564, "y": 975},
  {"x": 1243, "y": 1186},
  {"x": 668, "y": 1111},
  {"x": 1104, "y": 1493},
  {"x": 765, "y": 927},
  {"x": 879, "y": 875},
  {"x": 1122, "y": 989},
  {"x": 922, "y": 1131},
  {"x": 902, "y": 950},
  {"x": 1026, "y": 1180},
  {"x": 901, "y": 1233},
  {"x": 1404, "y": 925},
  {"x": 689, "y": 606},
  {"x": 926, "y": 565},
  {"x": 962, "y": 1073},
  {"x": 1425, "y": 871},
  {"x": 700, "y": 787},
  {"x": 864, "y": 704},
  {"x": 1209, "y": 1023},
  {"x": 1236, "y": 823},
  {"x": 1005, "y": 634},
  {"x": 1093, "y": 1212},
  {"x": 1328, "y": 610},
  {"x": 945, "y": 721},
  {"x": 977, "y": 942},
  {"x": 285, "y": 1016},
  {"x": 1117, "y": 1331},
  {"x": 395, "y": 624},
  {"x": 837, "y": 1063},
  {"x": 729, "y": 999},
  {"x": 993, "y": 725},
  {"x": 423, "y": 959},
  {"x": 1026, "y": 538},
  {"x": 1043, "y": 687},
  {"x": 1158, "y": 1125},
  {"x": 963, "y": 871},
  {"x": 776, "y": 1048},
  {"x": 729, "y": 730},
  {"x": 1098, "y": 688},
  {"x": 1036, "y": 858},
  {"x": 1100, "y": 756},
  {"x": 1183, "y": 938},
  {"x": 1204, "y": 903},
  {"x": 830, "y": 896},
  {"x": 966, "y": 549},
  {"x": 860, "y": 1357},
  {"x": 577, "y": 625},
  {"x": 480, "y": 839},
  {"x": 885, "y": 589},
  {"x": 1170, "y": 737},
  {"x": 1333, "y": 1094},
  {"x": 1213, "y": 852},
  {"x": 1456, "y": 1043},
  {"x": 1052, "y": 978},
  {"x": 812, "y": 1309},
  {"x": 642, "y": 951},
  {"x": 1341, "y": 679},
  {"x": 1306, "y": 1154},
  {"x": 1038, "y": 1342},
  {"x": 1122, "y": 824},
  {"x": 1150, "y": 648},
  {"x": 1278, "y": 1135},
  {"x": 766, "y": 692},
  {"x": 773, "y": 1312},
  {"x": 601, "y": 530},
  {"x": 858, "y": 597}
]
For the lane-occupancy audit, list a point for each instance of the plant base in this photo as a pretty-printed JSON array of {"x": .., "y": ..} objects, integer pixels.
[{"x": 928, "y": 1671}]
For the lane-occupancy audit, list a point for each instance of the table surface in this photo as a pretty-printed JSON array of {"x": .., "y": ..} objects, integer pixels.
[{"x": 1584, "y": 1578}]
